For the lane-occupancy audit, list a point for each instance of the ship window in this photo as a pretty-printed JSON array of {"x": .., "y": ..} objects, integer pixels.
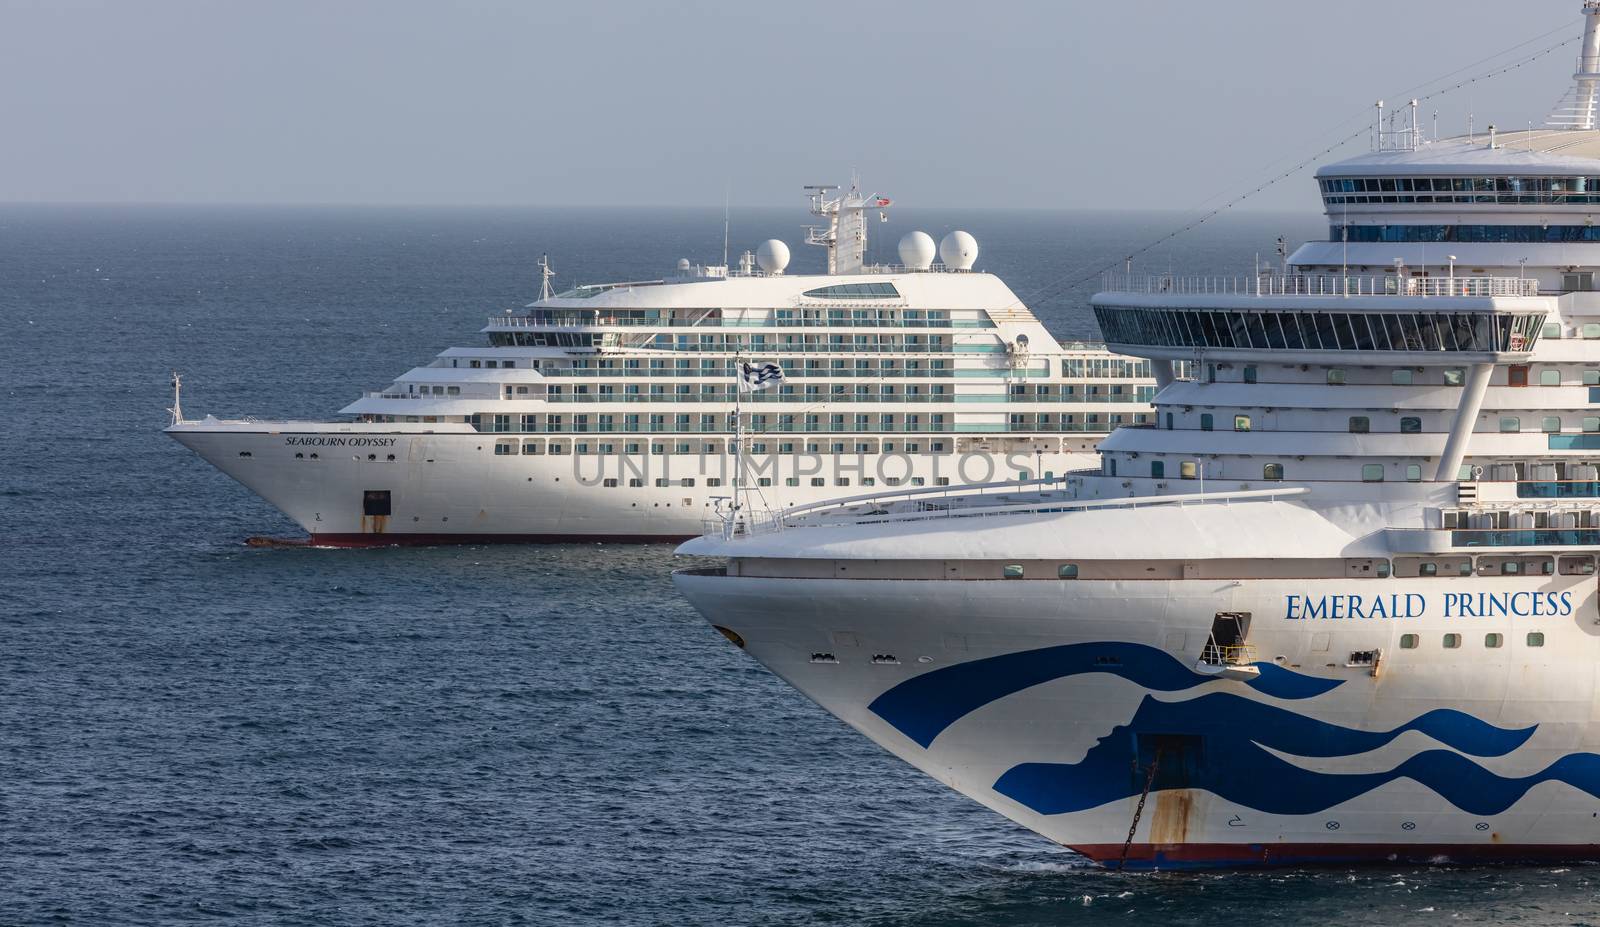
[
  {"x": 1551, "y": 424},
  {"x": 1158, "y": 469},
  {"x": 1452, "y": 641},
  {"x": 1241, "y": 423},
  {"x": 1535, "y": 638},
  {"x": 1414, "y": 473},
  {"x": 1517, "y": 375},
  {"x": 1067, "y": 571},
  {"x": 1493, "y": 640},
  {"x": 1454, "y": 376},
  {"x": 1272, "y": 471},
  {"x": 1510, "y": 423},
  {"x": 1335, "y": 376},
  {"x": 1205, "y": 421},
  {"x": 609, "y": 482},
  {"x": 1012, "y": 571},
  {"x": 1187, "y": 469},
  {"x": 1427, "y": 569},
  {"x": 1591, "y": 330},
  {"x": 1372, "y": 473},
  {"x": 818, "y": 481},
  {"x": 1591, "y": 378},
  {"x": 791, "y": 481},
  {"x": 375, "y": 502},
  {"x": 1411, "y": 425},
  {"x": 1549, "y": 378},
  {"x": 1575, "y": 566},
  {"x": 1360, "y": 424},
  {"x": 713, "y": 482},
  {"x": 453, "y": 390},
  {"x": 763, "y": 481},
  {"x": 688, "y": 481},
  {"x": 1511, "y": 568},
  {"x": 1249, "y": 373},
  {"x": 502, "y": 450},
  {"x": 1400, "y": 377},
  {"x": 635, "y": 482},
  {"x": 1408, "y": 641}
]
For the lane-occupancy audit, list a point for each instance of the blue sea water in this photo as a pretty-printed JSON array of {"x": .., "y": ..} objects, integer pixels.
[{"x": 192, "y": 731}]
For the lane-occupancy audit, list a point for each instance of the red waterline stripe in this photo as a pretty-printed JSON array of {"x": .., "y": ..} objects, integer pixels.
[
  {"x": 1247, "y": 855},
  {"x": 432, "y": 540}
]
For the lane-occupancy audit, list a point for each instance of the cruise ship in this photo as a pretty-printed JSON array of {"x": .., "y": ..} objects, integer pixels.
[
  {"x": 1336, "y": 603},
  {"x": 613, "y": 411}
]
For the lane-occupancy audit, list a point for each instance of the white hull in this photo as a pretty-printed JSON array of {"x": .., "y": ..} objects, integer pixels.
[
  {"x": 453, "y": 487},
  {"x": 1273, "y": 767}
]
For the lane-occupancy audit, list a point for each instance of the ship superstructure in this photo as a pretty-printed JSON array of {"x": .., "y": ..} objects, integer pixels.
[
  {"x": 606, "y": 411},
  {"x": 1337, "y": 602}
]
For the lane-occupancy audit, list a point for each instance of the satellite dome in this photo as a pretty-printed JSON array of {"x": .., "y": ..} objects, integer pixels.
[
  {"x": 916, "y": 250},
  {"x": 683, "y": 263},
  {"x": 958, "y": 251},
  {"x": 773, "y": 256}
]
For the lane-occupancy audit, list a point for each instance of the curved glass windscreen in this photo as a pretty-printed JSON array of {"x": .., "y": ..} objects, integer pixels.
[
  {"x": 854, "y": 291},
  {"x": 1291, "y": 330}
]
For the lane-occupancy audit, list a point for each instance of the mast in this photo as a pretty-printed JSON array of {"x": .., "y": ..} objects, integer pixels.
[
  {"x": 845, "y": 235},
  {"x": 1576, "y": 110},
  {"x": 545, "y": 273}
]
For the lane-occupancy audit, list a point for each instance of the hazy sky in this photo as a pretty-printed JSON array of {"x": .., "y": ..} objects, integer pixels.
[{"x": 1111, "y": 103}]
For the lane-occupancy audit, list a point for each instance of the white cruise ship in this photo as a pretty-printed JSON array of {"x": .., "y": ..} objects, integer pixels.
[
  {"x": 607, "y": 412},
  {"x": 1336, "y": 603}
]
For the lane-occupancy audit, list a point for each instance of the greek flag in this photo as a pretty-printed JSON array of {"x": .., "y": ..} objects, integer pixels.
[{"x": 753, "y": 378}]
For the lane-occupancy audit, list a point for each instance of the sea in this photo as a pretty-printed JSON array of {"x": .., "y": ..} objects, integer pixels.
[{"x": 196, "y": 731}]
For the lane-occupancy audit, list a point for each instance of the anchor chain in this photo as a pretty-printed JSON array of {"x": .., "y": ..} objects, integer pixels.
[{"x": 1139, "y": 810}]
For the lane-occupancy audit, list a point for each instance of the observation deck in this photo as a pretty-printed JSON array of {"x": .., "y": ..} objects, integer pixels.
[{"x": 1323, "y": 319}]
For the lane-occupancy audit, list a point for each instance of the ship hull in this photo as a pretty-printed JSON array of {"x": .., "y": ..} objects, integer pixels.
[
  {"x": 1049, "y": 702},
  {"x": 457, "y": 489}
]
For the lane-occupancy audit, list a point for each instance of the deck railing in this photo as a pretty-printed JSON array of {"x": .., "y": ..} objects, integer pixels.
[
  {"x": 1318, "y": 285},
  {"x": 1049, "y": 496}
]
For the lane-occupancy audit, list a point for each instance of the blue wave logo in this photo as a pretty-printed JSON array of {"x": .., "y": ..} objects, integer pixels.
[
  {"x": 1217, "y": 742},
  {"x": 921, "y": 708}
]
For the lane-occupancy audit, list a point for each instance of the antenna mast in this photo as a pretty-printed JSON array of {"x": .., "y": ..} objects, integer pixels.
[
  {"x": 545, "y": 273},
  {"x": 177, "y": 398},
  {"x": 1576, "y": 110}
]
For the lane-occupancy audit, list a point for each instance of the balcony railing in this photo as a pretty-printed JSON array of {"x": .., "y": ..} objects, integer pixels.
[{"x": 1318, "y": 285}]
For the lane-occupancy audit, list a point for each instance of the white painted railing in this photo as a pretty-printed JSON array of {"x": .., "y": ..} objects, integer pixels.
[
  {"x": 971, "y": 501},
  {"x": 1318, "y": 285}
]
